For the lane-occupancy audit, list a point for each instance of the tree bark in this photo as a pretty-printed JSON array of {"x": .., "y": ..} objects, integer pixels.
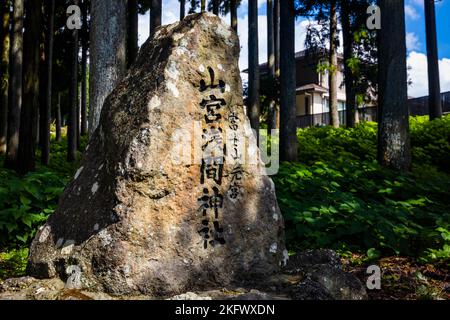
[
  {"x": 182, "y": 9},
  {"x": 271, "y": 62},
  {"x": 29, "y": 114},
  {"x": 155, "y": 16},
  {"x": 332, "y": 72},
  {"x": 276, "y": 35},
  {"x": 216, "y": 7},
  {"x": 45, "y": 130},
  {"x": 58, "y": 118},
  {"x": 84, "y": 75},
  {"x": 233, "y": 14},
  {"x": 434, "y": 86},
  {"x": 132, "y": 39},
  {"x": 288, "y": 127},
  {"x": 393, "y": 129},
  {"x": 253, "y": 66},
  {"x": 73, "y": 99},
  {"x": 78, "y": 117},
  {"x": 15, "y": 84},
  {"x": 351, "y": 111},
  {"x": 4, "y": 78},
  {"x": 202, "y": 5},
  {"x": 107, "y": 53}
]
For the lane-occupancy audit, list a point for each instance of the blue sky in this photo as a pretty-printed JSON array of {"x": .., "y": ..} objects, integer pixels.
[{"x": 415, "y": 27}]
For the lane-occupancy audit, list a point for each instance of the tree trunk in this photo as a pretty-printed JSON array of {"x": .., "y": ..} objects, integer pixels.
[
  {"x": 15, "y": 85},
  {"x": 351, "y": 111},
  {"x": 4, "y": 65},
  {"x": 332, "y": 72},
  {"x": 233, "y": 14},
  {"x": 58, "y": 118},
  {"x": 271, "y": 61},
  {"x": 73, "y": 99},
  {"x": 393, "y": 129},
  {"x": 434, "y": 86},
  {"x": 45, "y": 130},
  {"x": 84, "y": 75},
  {"x": 107, "y": 53},
  {"x": 155, "y": 15},
  {"x": 216, "y": 7},
  {"x": 288, "y": 132},
  {"x": 253, "y": 66},
  {"x": 276, "y": 35},
  {"x": 202, "y": 5},
  {"x": 132, "y": 39},
  {"x": 78, "y": 117},
  {"x": 29, "y": 114},
  {"x": 182, "y": 9}
]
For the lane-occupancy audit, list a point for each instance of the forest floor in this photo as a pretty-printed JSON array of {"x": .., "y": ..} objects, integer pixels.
[{"x": 403, "y": 278}]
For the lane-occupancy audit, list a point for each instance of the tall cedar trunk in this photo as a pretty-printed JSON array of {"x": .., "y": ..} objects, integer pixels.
[
  {"x": 15, "y": 84},
  {"x": 4, "y": 65},
  {"x": 29, "y": 114},
  {"x": 182, "y": 9},
  {"x": 73, "y": 99},
  {"x": 132, "y": 39},
  {"x": 351, "y": 113},
  {"x": 233, "y": 14},
  {"x": 393, "y": 130},
  {"x": 215, "y": 7},
  {"x": 271, "y": 62},
  {"x": 203, "y": 5},
  {"x": 155, "y": 15},
  {"x": 288, "y": 127},
  {"x": 107, "y": 53},
  {"x": 253, "y": 66},
  {"x": 45, "y": 130},
  {"x": 58, "y": 118},
  {"x": 78, "y": 117},
  {"x": 276, "y": 35},
  {"x": 42, "y": 81},
  {"x": 84, "y": 56},
  {"x": 332, "y": 73},
  {"x": 434, "y": 86}
]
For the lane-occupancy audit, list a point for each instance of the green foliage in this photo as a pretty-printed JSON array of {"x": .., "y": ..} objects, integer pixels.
[
  {"x": 13, "y": 263},
  {"x": 27, "y": 201},
  {"x": 339, "y": 197},
  {"x": 431, "y": 142},
  {"x": 327, "y": 143}
]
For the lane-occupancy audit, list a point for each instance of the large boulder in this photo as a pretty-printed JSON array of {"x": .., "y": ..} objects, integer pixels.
[{"x": 146, "y": 214}]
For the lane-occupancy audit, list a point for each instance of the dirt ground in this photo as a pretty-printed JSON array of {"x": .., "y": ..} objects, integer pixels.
[{"x": 404, "y": 279}]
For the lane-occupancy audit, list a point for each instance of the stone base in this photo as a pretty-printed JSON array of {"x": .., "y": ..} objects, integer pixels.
[{"x": 311, "y": 275}]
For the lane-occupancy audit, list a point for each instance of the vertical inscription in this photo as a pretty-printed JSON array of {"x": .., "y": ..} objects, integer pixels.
[
  {"x": 220, "y": 130},
  {"x": 213, "y": 160}
]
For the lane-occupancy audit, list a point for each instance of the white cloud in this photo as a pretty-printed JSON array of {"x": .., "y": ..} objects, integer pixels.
[
  {"x": 411, "y": 12},
  {"x": 412, "y": 41},
  {"x": 419, "y": 74},
  {"x": 418, "y": 3}
]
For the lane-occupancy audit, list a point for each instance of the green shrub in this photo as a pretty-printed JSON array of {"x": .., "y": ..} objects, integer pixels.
[
  {"x": 359, "y": 206},
  {"x": 25, "y": 204},
  {"x": 338, "y": 197},
  {"x": 431, "y": 142},
  {"x": 27, "y": 201}
]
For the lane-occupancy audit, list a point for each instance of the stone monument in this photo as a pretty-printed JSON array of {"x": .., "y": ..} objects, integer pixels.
[{"x": 171, "y": 194}]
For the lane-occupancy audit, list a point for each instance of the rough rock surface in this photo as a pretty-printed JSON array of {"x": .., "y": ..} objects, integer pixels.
[
  {"x": 310, "y": 275},
  {"x": 323, "y": 277},
  {"x": 141, "y": 217}
]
